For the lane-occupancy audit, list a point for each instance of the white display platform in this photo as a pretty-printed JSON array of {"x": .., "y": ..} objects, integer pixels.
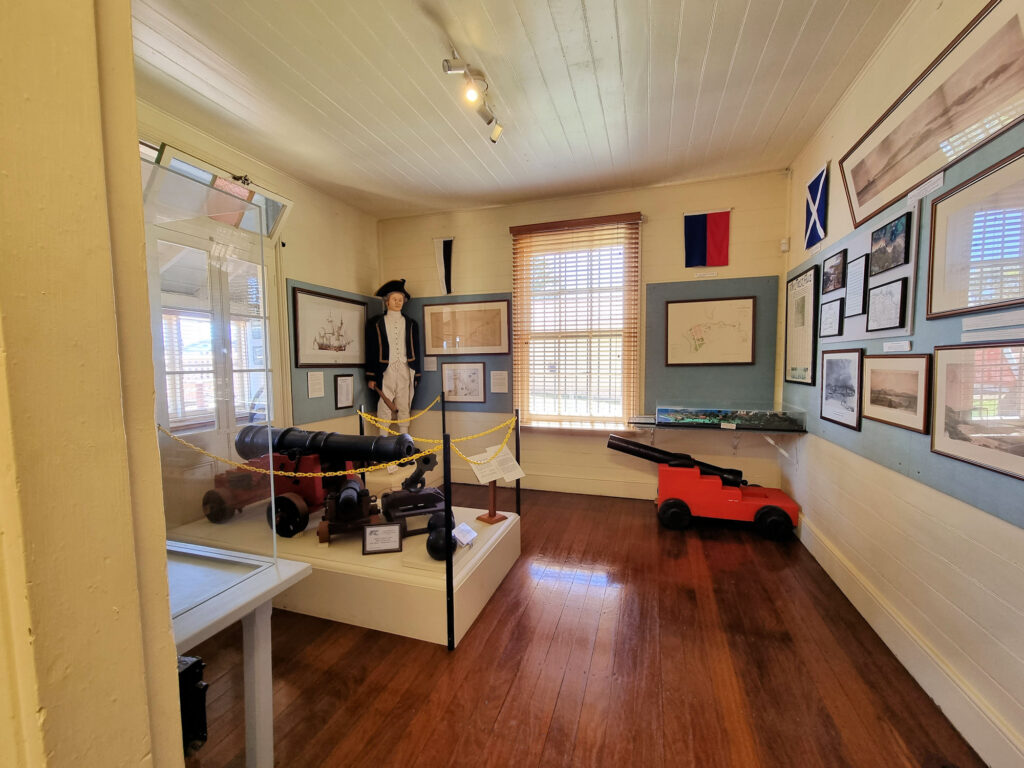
[{"x": 400, "y": 592}]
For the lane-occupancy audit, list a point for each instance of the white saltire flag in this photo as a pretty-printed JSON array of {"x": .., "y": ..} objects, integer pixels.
[{"x": 816, "y": 209}]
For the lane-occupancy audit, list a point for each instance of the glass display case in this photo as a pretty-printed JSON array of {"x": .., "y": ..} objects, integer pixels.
[
  {"x": 207, "y": 296},
  {"x": 779, "y": 417}
]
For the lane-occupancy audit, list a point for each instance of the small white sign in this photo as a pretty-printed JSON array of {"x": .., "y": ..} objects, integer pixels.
[
  {"x": 499, "y": 382},
  {"x": 429, "y": 363},
  {"x": 896, "y": 346},
  {"x": 464, "y": 535},
  {"x": 315, "y": 383},
  {"x": 927, "y": 188}
]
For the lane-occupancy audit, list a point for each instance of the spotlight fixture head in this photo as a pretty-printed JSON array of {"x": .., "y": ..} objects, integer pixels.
[
  {"x": 453, "y": 66},
  {"x": 476, "y": 86},
  {"x": 485, "y": 112},
  {"x": 496, "y": 132}
]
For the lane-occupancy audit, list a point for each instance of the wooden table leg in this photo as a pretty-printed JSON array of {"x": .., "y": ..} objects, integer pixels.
[{"x": 259, "y": 688}]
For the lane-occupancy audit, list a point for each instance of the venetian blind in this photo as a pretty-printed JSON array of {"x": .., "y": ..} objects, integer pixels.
[{"x": 575, "y": 321}]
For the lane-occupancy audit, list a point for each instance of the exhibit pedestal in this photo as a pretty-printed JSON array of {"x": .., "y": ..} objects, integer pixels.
[{"x": 399, "y": 592}]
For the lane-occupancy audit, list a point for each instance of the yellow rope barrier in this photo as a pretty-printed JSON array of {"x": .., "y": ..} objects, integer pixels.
[
  {"x": 509, "y": 423},
  {"x": 399, "y": 421}
]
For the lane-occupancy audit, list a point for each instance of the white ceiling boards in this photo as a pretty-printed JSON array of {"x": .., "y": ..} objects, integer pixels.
[{"x": 593, "y": 95}]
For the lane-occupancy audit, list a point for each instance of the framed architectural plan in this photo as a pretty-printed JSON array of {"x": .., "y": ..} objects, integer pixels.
[
  {"x": 710, "y": 332},
  {"x": 978, "y": 407},
  {"x": 328, "y": 330},
  {"x": 463, "y": 382},
  {"x": 831, "y": 319},
  {"x": 840, "y": 387},
  {"x": 801, "y": 326},
  {"x": 976, "y": 251},
  {"x": 887, "y": 305},
  {"x": 897, "y": 389},
  {"x": 978, "y": 80},
  {"x": 476, "y": 328}
]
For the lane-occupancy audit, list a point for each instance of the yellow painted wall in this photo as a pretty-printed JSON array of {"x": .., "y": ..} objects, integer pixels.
[
  {"x": 89, "y": 673},
  {"x": 483, "y": 264},
  {"x": 939, "y": 580}
]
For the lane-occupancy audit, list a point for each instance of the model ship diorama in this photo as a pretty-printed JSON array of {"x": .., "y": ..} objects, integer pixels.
[{"x": 731, "y": 418}]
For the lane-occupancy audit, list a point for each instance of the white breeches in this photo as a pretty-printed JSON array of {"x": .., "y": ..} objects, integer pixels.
[{"x": 398, "y": 383}]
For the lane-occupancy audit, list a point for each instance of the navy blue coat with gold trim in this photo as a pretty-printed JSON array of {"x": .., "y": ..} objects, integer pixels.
[{"x": 378, "y": 351}]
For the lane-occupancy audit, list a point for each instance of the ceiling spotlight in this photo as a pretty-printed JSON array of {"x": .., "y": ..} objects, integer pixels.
[
  {"x": 453, "y": 66},
  {"x": 485, "y": 112},
  {"x": 496, "y": 132},
  {"x": 475, "y": 86}
]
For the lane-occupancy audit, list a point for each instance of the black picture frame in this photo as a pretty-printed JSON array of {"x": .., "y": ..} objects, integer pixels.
[
  {"x": 890, "y": 245},
  {"x": 386, "y": 532},
  {"x": 894, "y": 289},
  {"x": 830, "y": 312},
  {"x": 841, "y": 387},
  {"x": 833, "y": 272},
  {"x": 344, "y": 391},
  {"x": 801, "y": 329},
  {"x": 856, "y": 285}
]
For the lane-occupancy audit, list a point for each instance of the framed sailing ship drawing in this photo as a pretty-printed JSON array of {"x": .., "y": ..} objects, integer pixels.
[{"x": 327, "y": 330}]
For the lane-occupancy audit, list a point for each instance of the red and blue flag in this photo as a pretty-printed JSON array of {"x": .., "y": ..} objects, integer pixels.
[{"x": 706, "y": 239}]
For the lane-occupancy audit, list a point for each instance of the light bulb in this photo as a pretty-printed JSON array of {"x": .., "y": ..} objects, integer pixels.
[{"x": 472, "y": 94}]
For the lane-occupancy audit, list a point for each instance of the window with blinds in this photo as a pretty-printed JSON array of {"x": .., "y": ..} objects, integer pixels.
[{"x": 575, "y": 321}]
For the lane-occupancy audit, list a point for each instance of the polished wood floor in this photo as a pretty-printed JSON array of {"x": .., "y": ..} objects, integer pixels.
[{"x": 612, "y": 642}]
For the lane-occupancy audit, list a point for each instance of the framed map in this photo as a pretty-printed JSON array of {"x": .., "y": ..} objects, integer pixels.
[
  {"x": 710, "y": 332},
  {"x": 474, "y": 328}
]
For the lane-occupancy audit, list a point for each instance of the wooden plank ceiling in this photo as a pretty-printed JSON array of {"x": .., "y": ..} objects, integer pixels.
[{"x": 593, "y": 95}]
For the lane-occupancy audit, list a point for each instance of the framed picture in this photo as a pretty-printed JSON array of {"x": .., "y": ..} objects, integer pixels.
[
  {"x": 328, "y": 330},
  {"x": 378, "y": 539},
  {"x": 463, "y": 382},
  {"x": 977, "y": 80},
  {"x": 710, "y": 331},
  {"x": 887, "y": 305},
  {"x": 801, "y": 324},
  {"x": 344, "y": 391},
  {"x": 897, "y": 390},
  {"x": 831, "y": 319},
  {"x": 890, "y": 246},
  {"x": 833, "y": 272},
  {"x": 978, "y": 413},
  {"x": 975, "y": 248},
  {"x": 476, "y": 328},
  {"x": 856, "y": 279},
  {"x": 840, "y": 388}
]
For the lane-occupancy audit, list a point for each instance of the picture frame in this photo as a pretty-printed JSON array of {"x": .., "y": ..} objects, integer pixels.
[
  {"x": 381, "y": 538},
  {"x": 978, "y": 405},
  {"x": 954, "y": 271},
  {"x": 463, "y": 382},
  {"x": 470, "y": 328},
  {"x": 856, "y": 280},
  {"x": 710, "y": 331},
  {"x": 890, "y": 245},
  {"x": 927, "y": 128},
  {"x": 344, "y": 391},
  {"x": 800, "y": 357},
  {"x": 897, "y": 390},
  {"x": 887, "y": 305},
  {"x": 833, "y": 273},
  {"x": 327, "y": 330},
  {"x": 831, "y": 319},
  {"x": 841, "y": 387}
]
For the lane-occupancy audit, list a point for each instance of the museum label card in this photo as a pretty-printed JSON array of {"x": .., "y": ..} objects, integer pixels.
[
  {"x": 499, "y": 382},
  {"x": 315, "y": 383}
]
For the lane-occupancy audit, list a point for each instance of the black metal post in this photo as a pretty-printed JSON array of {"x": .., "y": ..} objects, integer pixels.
[
  {"x": 449, "y": 526},
  {"x": 518, "y": 484},
  {"x": 362, "y": 475},
  {"x": 444, "y": 422}
]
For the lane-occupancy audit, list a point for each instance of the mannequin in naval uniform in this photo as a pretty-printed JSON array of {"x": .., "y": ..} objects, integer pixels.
[{"x": 393, "y": 359}]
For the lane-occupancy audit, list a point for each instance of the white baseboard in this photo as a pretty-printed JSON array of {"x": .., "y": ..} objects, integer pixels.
[{"x": 980, "y": 724}]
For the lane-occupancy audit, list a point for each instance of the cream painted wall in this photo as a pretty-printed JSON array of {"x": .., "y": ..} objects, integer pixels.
[
  {"x": 483, "y": 264},
  {"x": 89, "y": 669},
  {"x": 938, "y": 579}
]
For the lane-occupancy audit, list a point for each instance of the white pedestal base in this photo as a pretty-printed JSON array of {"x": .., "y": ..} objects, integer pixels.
[{"x": 399, "y": 592}]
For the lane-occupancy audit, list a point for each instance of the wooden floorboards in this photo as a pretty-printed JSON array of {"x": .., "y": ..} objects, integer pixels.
[{"x": 611, "y": 642}]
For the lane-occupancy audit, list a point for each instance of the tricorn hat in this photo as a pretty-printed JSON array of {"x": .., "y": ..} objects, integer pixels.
[{"x": 393, "y": 286}]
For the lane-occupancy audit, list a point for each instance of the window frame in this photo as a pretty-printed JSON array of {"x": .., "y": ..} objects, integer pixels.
[{"x": 533, "y": 241}]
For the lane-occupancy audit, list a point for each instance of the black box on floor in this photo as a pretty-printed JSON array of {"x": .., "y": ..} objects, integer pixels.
[{"x": 192, "y": 695}]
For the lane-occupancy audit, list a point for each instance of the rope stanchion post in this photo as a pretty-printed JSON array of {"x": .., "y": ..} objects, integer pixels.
[
  {"x": 518, "y": 483},
  {"x": 449, "y": 526},
  {"x": 444, "y": 415}
]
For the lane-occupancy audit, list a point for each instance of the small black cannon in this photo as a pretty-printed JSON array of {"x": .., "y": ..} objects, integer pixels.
[
  {"x": 346, "y": 503},
  {"x": 730, "y": 477}
]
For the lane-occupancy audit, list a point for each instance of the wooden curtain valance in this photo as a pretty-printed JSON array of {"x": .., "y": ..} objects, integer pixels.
[{"x": 554, "y": 226}]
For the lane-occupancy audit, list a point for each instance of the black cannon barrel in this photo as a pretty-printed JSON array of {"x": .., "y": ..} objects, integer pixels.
[
  {"x": 732, "y": 477},
  {"x": 252, "y": 443}
]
